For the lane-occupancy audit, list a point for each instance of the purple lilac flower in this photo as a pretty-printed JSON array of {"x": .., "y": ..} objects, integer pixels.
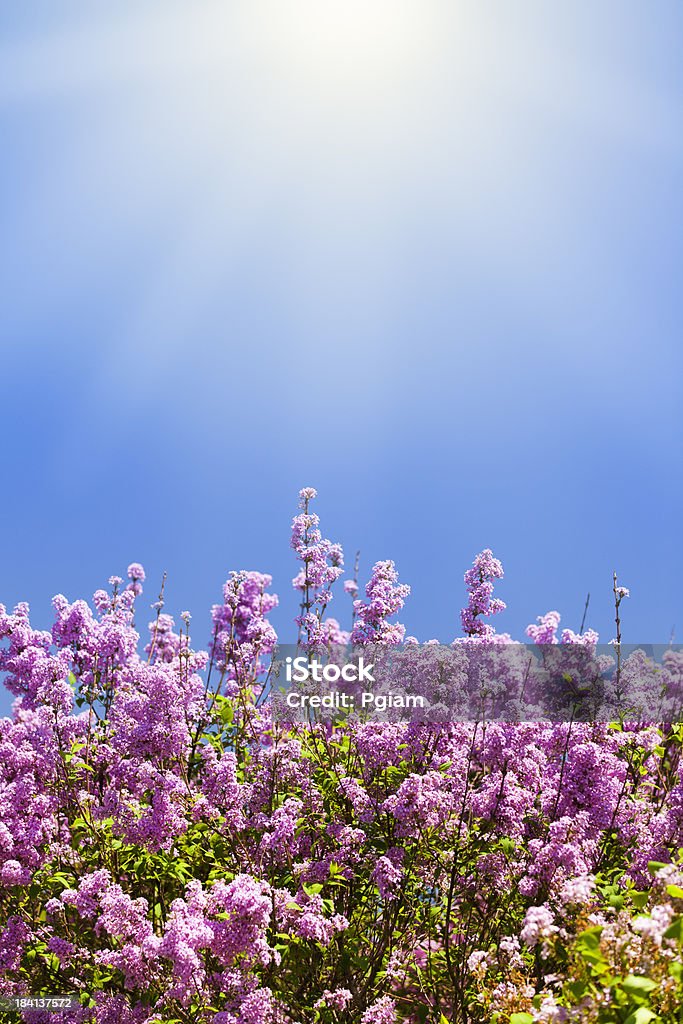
[
  {"x": 136, "y": 575},
  {"x": 241, "y": 627},
  {"x": 322, "y": 564},
  {"x": 339, "y": 999},
  {"x": 545, "y": 632},
  {"x": 382, "y": 1011},
  {"x": 386, "y": 597},
  {"x": 149, "y": 757},
  {"x": 539, "y": 924},
  {"x": 479, "y": 581}
]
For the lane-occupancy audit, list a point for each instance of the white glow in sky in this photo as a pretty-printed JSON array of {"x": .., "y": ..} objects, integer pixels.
[
  {"x": 330, "y": 150},
  {"x": 420, "y": 254}
]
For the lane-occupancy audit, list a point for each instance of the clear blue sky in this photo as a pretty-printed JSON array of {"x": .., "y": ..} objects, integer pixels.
[{"x": 422, "y": 256}]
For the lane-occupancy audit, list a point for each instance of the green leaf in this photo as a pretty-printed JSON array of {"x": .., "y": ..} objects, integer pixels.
[
  {"x": 636, "y": 985},
  {"x": 588, "y": 946},
  {"x": 675, "y": 929},
  {"x": 653, "y": 866},
  {"x": 521, "y": 1018},
  {"x": 641, "y": 1016},
  {"x": 676, "y": 970},
  {"x": 675, "y": 891},
  {"x": 577, "y": 989}
]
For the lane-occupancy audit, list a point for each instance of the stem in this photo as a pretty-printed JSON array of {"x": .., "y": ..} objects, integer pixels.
[{"x": 617, "y": 619}]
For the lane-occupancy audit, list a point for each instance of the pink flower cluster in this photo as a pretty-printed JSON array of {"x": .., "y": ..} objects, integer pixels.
[{"x": 168, "y": 851}]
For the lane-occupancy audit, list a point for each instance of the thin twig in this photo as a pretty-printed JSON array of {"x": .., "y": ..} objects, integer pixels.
[{"x": 585, "y": 609}]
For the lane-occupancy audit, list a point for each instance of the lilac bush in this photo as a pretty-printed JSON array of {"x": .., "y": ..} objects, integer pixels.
[{"x": 169, "y": 852}]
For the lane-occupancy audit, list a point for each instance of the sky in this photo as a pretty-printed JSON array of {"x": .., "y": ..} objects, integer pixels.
[{"x": 423, "y": 256}]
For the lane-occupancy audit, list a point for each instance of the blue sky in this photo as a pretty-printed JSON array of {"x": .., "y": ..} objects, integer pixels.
[{"x": 422, "y": 256}]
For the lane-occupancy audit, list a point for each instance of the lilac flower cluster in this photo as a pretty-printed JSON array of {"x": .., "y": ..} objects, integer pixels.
[
  {"x": 240, "y": 625},
  {"x": 385, "y": 597},
  {"x": 545, "y": 632},
  {"x": 479, "y": 581},
  {"x": 169, "y": 852},
  {"x": 322, "y": 565}
]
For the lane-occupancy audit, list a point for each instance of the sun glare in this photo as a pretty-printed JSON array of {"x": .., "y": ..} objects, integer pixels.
[{"x": 344, "y": 43}]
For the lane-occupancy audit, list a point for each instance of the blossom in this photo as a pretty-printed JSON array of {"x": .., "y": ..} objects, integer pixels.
[
  {"x": 12, "y": 873},
  {"x": 655, "y": 924},
  {"x": 382, "y": 1011},
  {"x": 13, "y": 939},
  {"x": 478, "y": 962},
  {"x": 386, "y": 597},
  {"x": 387, "y": 876},
  {"x": 479, "y": 581},
  {"x": 63, "y": 949},
  {"x": 577, "y": 890},
  {"x": 322, "y": 565},
  {"x": 242, "y": 631},
  {"x": 136, "y": 575},
  {"x": 186, "y": 935},
  {"x": 587, "y": 639},
  {"x": 339, "y": 999},
  {"x": 258, "y": 1008},
  {"x": 164, "y": 837},
  {"x": 538, "y": 924},
  {"x": 546, "y": 630},
  {"x": 244, "y": 906}
]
